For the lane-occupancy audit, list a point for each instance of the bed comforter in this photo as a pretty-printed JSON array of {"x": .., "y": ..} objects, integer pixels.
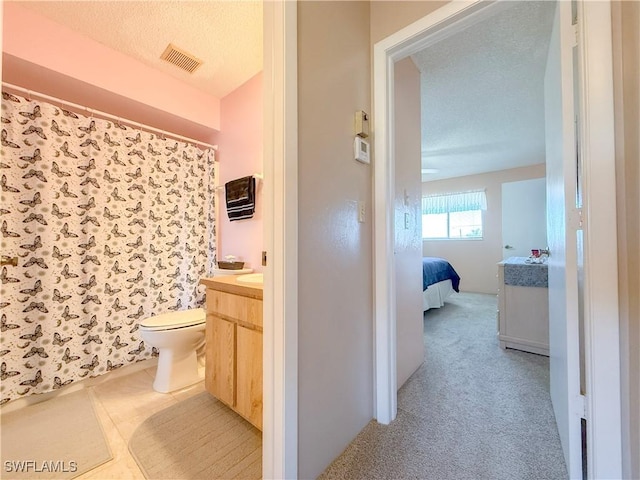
[{"x": 436, "y": 270}]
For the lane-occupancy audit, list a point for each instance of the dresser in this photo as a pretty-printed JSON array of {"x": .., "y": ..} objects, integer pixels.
[{"x": 523, "y": 306}]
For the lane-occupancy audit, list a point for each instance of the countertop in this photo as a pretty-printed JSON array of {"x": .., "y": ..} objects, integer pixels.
[
  {"x": 518, "y": 272},
  {"x": 230, "y": 284}
]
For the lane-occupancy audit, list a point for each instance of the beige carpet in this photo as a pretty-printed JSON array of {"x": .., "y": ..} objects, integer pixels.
[
  {"x": 58, "y": 438},
  {"x": 197, "y": 438},
  {"x": 472, "y": 411}
]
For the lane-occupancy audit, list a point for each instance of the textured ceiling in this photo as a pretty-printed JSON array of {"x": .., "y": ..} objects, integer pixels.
[
  {"x": 483, "y": 94},
  {"x": 227, "y": 35},
  {"x": 482, "y": 89}
]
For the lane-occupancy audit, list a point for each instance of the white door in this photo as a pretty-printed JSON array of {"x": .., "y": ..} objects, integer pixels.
[
  {"x": 524, "y": 218},
  {"x": 561, "y": 233}
]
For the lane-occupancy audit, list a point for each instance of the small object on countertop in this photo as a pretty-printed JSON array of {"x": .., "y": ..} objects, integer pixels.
[
  {"x": 537, "y": 260},
  {"x": 230, "y": 263}
]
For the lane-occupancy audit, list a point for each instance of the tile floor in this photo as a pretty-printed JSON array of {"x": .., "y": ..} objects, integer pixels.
[{"x": 122, "y": 404}]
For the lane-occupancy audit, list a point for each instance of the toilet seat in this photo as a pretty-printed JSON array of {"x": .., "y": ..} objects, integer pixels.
[{"x": 174, "y": 320}]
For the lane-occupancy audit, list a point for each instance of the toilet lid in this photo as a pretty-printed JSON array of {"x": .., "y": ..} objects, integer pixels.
[{"x": 179, "y": 319}]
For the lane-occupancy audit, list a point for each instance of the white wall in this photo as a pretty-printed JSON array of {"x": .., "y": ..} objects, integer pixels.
[
  {"x": 475, "y": 260},
  {"x": 409, "y": 319},
  {"x": 524, "y": 217},
  {"x": 335, "y": 341}
]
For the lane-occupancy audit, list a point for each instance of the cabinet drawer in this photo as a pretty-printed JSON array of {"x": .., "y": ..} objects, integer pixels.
[{"x": 245, "y": 309}]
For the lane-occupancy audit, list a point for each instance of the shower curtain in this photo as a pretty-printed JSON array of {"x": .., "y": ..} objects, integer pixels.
[{"x": 110, "y": 225}]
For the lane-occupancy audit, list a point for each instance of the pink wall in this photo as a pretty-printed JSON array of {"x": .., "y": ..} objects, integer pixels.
[
  {"x": 47, "y": 57},
  {"x": 1, "y": 22},
  {"x": 240, "y": 154}
]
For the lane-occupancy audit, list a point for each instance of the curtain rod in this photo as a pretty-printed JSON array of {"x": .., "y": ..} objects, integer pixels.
[{"x": 93, "y": 112}]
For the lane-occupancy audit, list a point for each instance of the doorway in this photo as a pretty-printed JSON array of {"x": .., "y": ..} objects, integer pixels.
[
  {"x": 476, "y": 144},
  {"x": 599, "y": 231}
]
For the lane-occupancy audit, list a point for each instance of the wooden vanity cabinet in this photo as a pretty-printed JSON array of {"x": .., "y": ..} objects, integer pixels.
[{"x": 233, "y": 368}]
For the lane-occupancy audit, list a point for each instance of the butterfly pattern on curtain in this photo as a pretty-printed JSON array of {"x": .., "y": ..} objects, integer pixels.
[{"x": 111, "y": 225}]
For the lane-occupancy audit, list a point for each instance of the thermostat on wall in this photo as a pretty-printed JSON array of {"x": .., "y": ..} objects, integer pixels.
[{"x": 361, "y": 150}]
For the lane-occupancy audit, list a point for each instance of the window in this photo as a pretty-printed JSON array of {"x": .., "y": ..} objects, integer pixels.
[{"x": 453, "y": 216}]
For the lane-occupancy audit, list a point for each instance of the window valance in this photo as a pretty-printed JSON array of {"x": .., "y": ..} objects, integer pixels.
[{"x": 454, "y": 202}]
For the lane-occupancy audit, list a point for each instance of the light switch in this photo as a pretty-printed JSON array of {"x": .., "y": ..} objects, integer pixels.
[{"x": 361, "y": 211}]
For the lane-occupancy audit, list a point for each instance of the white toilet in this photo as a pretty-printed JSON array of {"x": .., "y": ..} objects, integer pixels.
[{"x": 177, "y": 335}]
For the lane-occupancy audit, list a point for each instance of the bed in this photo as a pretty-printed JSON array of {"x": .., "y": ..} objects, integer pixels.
[{"x": 439, "y": 280}]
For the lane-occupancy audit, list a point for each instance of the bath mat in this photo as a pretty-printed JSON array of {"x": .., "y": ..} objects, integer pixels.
[
  {"x": 59, "y": 438},
  {"x": 197, "y": 438}
]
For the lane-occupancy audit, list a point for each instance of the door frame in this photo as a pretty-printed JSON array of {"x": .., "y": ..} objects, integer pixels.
[
  {"x": 280, "y": 208},
  {"x": 601, "y": 320}
]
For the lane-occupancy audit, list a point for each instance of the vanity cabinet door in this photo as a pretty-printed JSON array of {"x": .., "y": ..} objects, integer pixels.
[
  {"x": 249, "y": 375},
  {"x": 220, "y": 374}
]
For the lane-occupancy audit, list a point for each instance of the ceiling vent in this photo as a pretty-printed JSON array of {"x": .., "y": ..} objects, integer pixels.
[{"x": 180, "y": 58}]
